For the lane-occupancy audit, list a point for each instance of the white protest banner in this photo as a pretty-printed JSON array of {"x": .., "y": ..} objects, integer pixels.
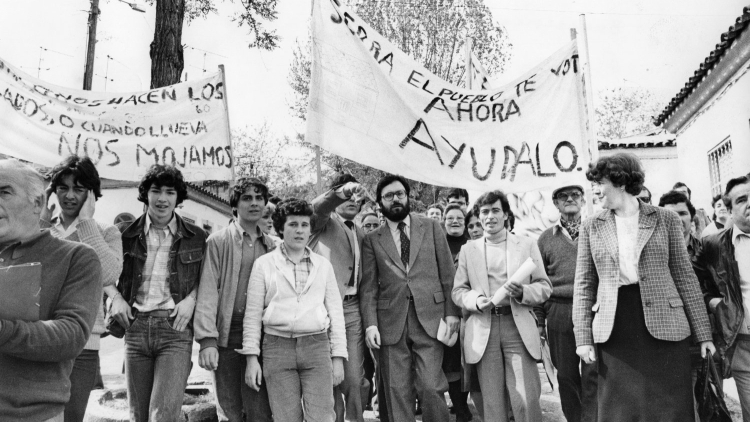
[
  {"x": 124, "y": 134},
  {"x": 371, "y": 103}
]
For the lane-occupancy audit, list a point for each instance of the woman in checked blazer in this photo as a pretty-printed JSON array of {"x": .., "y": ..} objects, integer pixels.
[{"x": 636, "y": 296}]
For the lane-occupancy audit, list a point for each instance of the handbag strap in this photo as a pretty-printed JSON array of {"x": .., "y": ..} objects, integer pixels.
[{"x": 714, "y": 374}]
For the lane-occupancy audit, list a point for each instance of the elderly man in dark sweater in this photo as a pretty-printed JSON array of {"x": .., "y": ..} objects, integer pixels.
[
  {"x": 37, "y": 351},
  {"x": 559, "y": 248}
]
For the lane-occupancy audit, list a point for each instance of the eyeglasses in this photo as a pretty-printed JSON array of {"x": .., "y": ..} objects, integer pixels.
[
  {"x": 389, "y": 196},
  {"x": 452, "y": 219},
  {"x": 563, "y": 196}
]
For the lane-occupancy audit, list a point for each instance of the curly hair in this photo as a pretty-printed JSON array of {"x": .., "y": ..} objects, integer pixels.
[
  {"x": 242, "y": 186},
  {"x": 161, "y": 176},
  {"x": 286, "y": 208},
  {"x": 622, "y": 169},
  {"x": 489, "y": 198},
  {"x": 83, "y": 171}
]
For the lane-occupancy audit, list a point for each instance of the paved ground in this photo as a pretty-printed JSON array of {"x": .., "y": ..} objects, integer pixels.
[{"x": 112, "y": 354}]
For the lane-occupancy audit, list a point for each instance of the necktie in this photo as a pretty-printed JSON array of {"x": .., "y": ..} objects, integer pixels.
[
  {"x": 350, "y": 224},
  {"x": 404, "y": 244}
]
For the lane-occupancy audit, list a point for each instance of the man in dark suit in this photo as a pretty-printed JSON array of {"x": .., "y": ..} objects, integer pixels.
[
  {"x": 407, "y": 278},
  {"x": 338, "y": 239}
]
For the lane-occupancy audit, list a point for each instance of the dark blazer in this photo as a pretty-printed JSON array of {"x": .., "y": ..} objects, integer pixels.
[
  {"x": 720, "y": 278},
  {"x": 332, "y": 239},
  {"x": 386, "y": 285},
  {"x": 671, "y": 296}
]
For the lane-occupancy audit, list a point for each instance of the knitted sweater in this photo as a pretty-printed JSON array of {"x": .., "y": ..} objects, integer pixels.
[
  {"x": 36, "y": 357},
  {"x": 107, "y": 243},
  {"x": 559, "y": 254}
]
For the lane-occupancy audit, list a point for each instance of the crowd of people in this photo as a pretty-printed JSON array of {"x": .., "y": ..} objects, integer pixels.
[{"x": 315, "y": 311}]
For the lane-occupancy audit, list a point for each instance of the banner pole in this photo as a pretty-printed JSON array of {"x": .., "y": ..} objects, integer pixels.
[
  {"x": 469, "y": 70},
  {"x": 591, "y": 150},
  {"x": 229, "y": 127}
]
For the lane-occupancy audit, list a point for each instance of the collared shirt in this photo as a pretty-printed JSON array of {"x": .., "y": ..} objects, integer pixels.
[
  {"x": 154, "y": 293},
  {"x": 627, "y": 241},
  {"x": 250, "y": 252},
  {"x": 741, "y": 242},
  {"x": 396, "y": 233},
  {"x": 352, "y": 290},
  {"x": 693, "y": 246},
  {"x": 559, "y": 226},
  {"x": 301, "y": 269},
  {"x": 59, "y": 231}
]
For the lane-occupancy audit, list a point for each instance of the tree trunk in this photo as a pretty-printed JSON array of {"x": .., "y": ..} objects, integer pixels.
[{"x": 167, "y": 60}]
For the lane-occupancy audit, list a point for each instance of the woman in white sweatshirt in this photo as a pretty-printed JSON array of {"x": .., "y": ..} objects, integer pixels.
[{"x": 293, "y": 296}]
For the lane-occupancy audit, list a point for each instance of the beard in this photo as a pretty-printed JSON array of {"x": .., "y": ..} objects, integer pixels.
[{"x": 399, "y": 215}]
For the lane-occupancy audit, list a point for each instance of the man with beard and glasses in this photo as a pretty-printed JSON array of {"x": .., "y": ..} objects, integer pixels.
[
  {"x": 559, "y": 248},
  {"x": 407, "y": 278}
]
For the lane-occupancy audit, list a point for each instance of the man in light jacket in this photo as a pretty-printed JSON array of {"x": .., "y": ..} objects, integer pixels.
[{"x": 220, "y": 308}]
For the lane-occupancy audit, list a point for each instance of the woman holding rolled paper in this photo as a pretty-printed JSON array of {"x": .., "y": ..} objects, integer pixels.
[
  {"x": 500, "y": 277},
  {"x": 637, "y": 298}
]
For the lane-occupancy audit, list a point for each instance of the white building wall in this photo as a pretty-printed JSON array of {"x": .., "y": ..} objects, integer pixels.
[
  {"x": 726, "y": 115},
  {"x": 116, "y": 201}
]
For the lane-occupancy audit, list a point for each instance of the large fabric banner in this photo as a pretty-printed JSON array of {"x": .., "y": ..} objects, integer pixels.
[
  {"x": 124, "y": 134},
  {"x": 371, "y": 103}
]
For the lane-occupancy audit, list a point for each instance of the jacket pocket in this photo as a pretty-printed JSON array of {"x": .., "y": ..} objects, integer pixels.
[
  {"x": 439, "y": 297},
  {"x": 595, "y": 308},
  {"x": 675, "y": 302}
]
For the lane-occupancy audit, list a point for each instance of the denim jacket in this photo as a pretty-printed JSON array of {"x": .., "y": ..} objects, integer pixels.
[{"x": 185, "y": 259}]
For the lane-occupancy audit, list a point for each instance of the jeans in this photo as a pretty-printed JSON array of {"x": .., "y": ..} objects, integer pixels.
[
  {"x": 299, "y": 370},
  {"x": 578, "y": 388},
  {"x": 506, "y": 365},
  {"x": 82, "y": 380},
  {"x": 350, "y": 390},
  {"x": 233, "y": 395},
  {"x": 157, "y": 365}
]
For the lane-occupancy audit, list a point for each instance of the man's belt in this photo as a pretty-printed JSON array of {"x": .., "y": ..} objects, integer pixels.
[
  {"x": 501, "y": 310},
  {"x": 159, "y": 313}
]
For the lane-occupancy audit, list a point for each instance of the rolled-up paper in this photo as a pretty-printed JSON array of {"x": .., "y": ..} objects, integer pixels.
[{"x": 521, "y": 275}]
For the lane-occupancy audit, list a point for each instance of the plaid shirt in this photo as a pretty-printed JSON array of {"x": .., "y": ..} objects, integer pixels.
[
  {"x": 154, "y": 292},
  {"x": 301, "y": 270}
]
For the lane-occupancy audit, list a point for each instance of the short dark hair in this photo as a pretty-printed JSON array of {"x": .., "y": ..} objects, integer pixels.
[
  {"x": 287, "y": 207},
  {"x": 474, "y": 212},
  {"x": 731, "y": 185},
  {"x": 622, "y": 169},
  {"x": 274, "y": 200},
  {"x": 242, "y": 186},
  {"x": 716, "y": 199},
  {"x": 682, "y": 185},
  {"x": 438, "y": 206},
  {"x": 451, "y": 207},
  {"x": 340, "y": 179},
  {"x": 675, "y": 197},
  {"x": 649, "y": 193},
  {"x": 458, "y": 193},
  {"x": 387, "y": 180},
  {"x": 83, "y": 171},
  {"x": 489, "y": 198},
  {"x": 162, "y": 175}
]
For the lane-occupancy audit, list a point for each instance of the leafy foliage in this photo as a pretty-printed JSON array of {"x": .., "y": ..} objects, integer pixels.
[{"x": 624, "y": 112}]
